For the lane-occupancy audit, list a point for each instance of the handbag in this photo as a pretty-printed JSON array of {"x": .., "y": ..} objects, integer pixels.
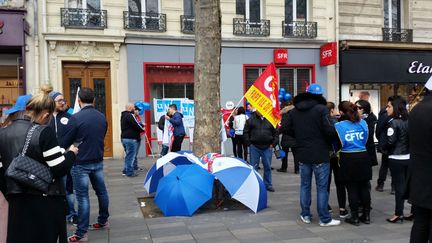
[
  {"x": 279, "y": 153},
  {"x": 28, "y": 171}
]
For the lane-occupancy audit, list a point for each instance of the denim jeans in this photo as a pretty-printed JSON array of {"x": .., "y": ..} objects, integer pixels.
[
  {"x": 321, "y": 172},
  {"x": 81, "y": 174},
  {"x": 135, "y": 162},
  {"x": 266, "y": 156},
  {"x": 131, "y": 147},
  {"x": 70, "y": 198}
]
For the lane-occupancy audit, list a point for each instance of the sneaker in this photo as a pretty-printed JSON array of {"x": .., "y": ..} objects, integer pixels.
[
  {"x": 139, "y": 169},
  {"x": 305, "y": 219},
  {"x": 76, "y": 238},
  {"x": 379, "y": 188},
  {"x": 281, "y": 170},
  {"x": 343, "y": 214},
  {"x": 98, "y": 226},
  {"x": 333, "y": 222}
]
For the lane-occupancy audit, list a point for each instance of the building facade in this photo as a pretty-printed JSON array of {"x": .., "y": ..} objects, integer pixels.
[{"x": 385, "y": 49}]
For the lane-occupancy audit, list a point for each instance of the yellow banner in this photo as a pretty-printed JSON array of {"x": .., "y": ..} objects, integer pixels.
[{"x": 262, "y": 103}]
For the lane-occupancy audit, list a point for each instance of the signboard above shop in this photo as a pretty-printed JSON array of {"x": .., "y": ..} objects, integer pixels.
[
  {"x": 280, "y": 56},
  {"x": 328, "y": 54},
  {"x": 385, "y": 66}
]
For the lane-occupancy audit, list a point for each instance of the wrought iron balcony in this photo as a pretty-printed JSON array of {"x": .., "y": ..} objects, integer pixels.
[
  {"x": 151, "y": 21},
  {"x": 299, "y": 29},
  {"x": 83, "y": 18},
  {"x": 397, "y": 35},
  {"x": 244, "y": 27},
  {"x": 187, "y": 24}
]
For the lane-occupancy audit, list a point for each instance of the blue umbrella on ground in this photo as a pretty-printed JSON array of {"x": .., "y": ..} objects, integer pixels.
[{"x": 184, "y": 190}]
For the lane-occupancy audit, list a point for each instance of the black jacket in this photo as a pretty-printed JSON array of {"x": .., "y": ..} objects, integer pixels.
[
  {"x": 161, "y": 123},
  {"x": 371, "y": 120},
  {"x": 397, "y": 142},
  {"x": 59, "y": 124},
  {"x": 420, "y": 130},
  {"x": 87, "y": 127},
  {"x": 309, "y": 123},
  {"x": 381, "y": 128},
  {"x": 260, "y": 132},
  {"x": 43, "y": 148},
  {"x": 130, "y": 128},
  {"x": 287, "y": 141}
]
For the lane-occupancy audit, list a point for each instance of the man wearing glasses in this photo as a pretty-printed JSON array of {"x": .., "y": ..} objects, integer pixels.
[{"x": 59, "y": 123}]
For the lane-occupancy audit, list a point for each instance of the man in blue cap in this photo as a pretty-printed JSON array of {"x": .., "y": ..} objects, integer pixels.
[
  {"x": 309, "y": 123},
  {"x": 59, "y": 123}
]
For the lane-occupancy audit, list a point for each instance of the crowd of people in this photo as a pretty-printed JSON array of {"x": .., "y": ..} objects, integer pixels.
[{"x": 327, "y": 141}]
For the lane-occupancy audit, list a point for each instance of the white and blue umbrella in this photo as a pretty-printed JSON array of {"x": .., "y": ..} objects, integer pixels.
[
  {"x": 165, "y": 165},
  {"x": 241, "y": 181}
]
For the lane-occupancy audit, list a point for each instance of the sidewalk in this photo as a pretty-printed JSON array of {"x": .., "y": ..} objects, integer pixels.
[{"x": 278, "y": 223}]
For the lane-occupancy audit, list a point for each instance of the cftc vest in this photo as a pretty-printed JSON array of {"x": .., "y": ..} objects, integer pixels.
[{"x": 353, "y": 136}]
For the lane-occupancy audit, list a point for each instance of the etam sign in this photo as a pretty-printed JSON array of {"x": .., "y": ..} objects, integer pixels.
[{"x": 418, "y": 67}]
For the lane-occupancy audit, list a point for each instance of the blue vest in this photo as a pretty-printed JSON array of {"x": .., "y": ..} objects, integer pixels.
[{"x": 353, "y": 136}]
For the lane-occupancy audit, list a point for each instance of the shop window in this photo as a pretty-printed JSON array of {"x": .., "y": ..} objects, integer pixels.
[
  {"x": 296, "y": 10},
  {"x": 188, "y": 8},
  {"x": 251, "y": 9},
  {"x": 393, "y": 14},
  {"x": 293, "y": 80}
]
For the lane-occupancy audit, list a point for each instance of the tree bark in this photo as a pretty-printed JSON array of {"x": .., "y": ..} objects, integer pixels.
[{"x": 207, "y": 77}]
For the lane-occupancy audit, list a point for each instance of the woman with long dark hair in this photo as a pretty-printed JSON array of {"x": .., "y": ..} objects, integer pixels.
[
  {"x": 397, "y": 148},
  {"x": 354, "y": 162},
  {"x": 365, "y": 111},
  {"x": 36, "y": 216}
]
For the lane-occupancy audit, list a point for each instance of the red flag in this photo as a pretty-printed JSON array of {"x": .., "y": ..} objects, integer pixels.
[{"x": 263, "y": 95}]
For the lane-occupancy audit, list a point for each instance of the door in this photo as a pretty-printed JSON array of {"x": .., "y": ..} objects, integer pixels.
[{"x": 97, "y": 77}]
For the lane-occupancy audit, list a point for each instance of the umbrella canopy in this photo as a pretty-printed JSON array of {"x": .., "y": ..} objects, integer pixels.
[
  {"x": 241, "y": 181},
  {"x": 184, "y": 190},
  {"x": 164, "y": 166}
]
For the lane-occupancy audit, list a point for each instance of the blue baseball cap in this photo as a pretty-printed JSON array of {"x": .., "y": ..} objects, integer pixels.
[
  {"x": 19, "y": 105},
  {"x": 315, "y": 89}
]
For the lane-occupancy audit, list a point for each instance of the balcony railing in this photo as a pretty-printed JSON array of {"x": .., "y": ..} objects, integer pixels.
[
  {"x": 187, "y": 24},
  {"x": 245, "y": 27},
  {"x": 299, "y": 29},
  {"x": 151, "y": 21},
  {"x": 397, "y": 35},
  {"x": 83, "y": 18}
]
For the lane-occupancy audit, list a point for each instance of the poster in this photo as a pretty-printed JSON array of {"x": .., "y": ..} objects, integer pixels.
[{"x": 185, "y": 106}]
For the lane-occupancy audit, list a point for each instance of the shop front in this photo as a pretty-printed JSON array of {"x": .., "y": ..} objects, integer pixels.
[
  {"x": 13, "y": 30},
  {"x": 376, "y": 74},
  {"x": 166, "y": 72}
]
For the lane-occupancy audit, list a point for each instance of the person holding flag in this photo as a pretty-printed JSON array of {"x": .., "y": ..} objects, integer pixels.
[
  {"x": 309, "y": 123},
  {"x": 260, "y": 130}
]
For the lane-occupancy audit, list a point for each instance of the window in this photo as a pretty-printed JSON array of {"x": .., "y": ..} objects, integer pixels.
[
  {"x": 296, "y": 10},
  {"x": 251, "y": 9},
  {"x": 293, "y": 80},
  {"x": 94, "y": 5},
  {"x": 139, "y": 6},
  {"x": 188, "y": 8},
  {"x": 393, "y": 14}
]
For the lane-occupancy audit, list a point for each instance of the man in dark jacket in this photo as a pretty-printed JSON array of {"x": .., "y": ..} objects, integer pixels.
[
  {"x": 262, "y": 137},
  {"x": 287, "y": 141},
  {"x": 381, "y": 134},
  {"x": 176, "y": 119},
  {"x": 87, "y": 129},
  {"x": 420, "y": 136},
  {"x": 58, "y": 123},
  {"x": 130, "y": 137},
  {"x": 309, "y": 123}
]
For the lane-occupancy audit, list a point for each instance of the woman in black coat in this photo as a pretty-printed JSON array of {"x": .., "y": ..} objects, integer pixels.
[
  {"x": 420, "y": 131},
  {"x": 365, "y": 111}
]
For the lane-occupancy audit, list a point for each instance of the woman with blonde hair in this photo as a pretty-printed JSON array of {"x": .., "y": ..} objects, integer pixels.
[{"x": 34, "y": 215}]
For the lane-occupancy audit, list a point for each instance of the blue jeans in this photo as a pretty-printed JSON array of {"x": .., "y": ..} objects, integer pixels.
[
  {"x": 81, "y": 174},
  {"x": 70, "y": 198},
  {"x": 322, "y": 172},
  {"x": 135, "y": 163},
  {"x": 131, "y": 148},
  {"x": 266, "y": 156}
]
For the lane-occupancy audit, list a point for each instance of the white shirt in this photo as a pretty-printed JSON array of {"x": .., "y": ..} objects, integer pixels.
[{"x": 239, "y": 123}]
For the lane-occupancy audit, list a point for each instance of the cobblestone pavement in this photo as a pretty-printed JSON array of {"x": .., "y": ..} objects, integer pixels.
[{"x": 278, "y": 223}]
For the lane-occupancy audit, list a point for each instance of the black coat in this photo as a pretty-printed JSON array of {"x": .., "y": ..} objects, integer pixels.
[
  {"x": 381, "y": 128},
  {"x": 309, "y": 123},
  {"x": 287, "y": 141},
  {"x": 260, "y": 132},
  {"x": 130, "y": 128},
  {"x": 371, "y": 120},
  {"x": 420, "y": 131}
]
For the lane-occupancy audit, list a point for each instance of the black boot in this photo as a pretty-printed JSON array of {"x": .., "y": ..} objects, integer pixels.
[
  {"x": 354, "y": 219},
  {"x": 365, "y": 218}
]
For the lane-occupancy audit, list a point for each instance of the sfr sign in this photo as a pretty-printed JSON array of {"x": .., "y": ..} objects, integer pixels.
[
  {"x": 328, "y": 54},
  {"x": 280, "y": 56}
]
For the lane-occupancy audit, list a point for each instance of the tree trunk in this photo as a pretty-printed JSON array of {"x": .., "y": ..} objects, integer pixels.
[{"x": 207, "y": 77}]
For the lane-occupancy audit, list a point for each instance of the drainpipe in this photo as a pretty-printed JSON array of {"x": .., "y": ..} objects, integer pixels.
[
  {"x": 337, "y": 66},
  {"x": 36, "y": 43},
  {"x": 45, "y": 44}
]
